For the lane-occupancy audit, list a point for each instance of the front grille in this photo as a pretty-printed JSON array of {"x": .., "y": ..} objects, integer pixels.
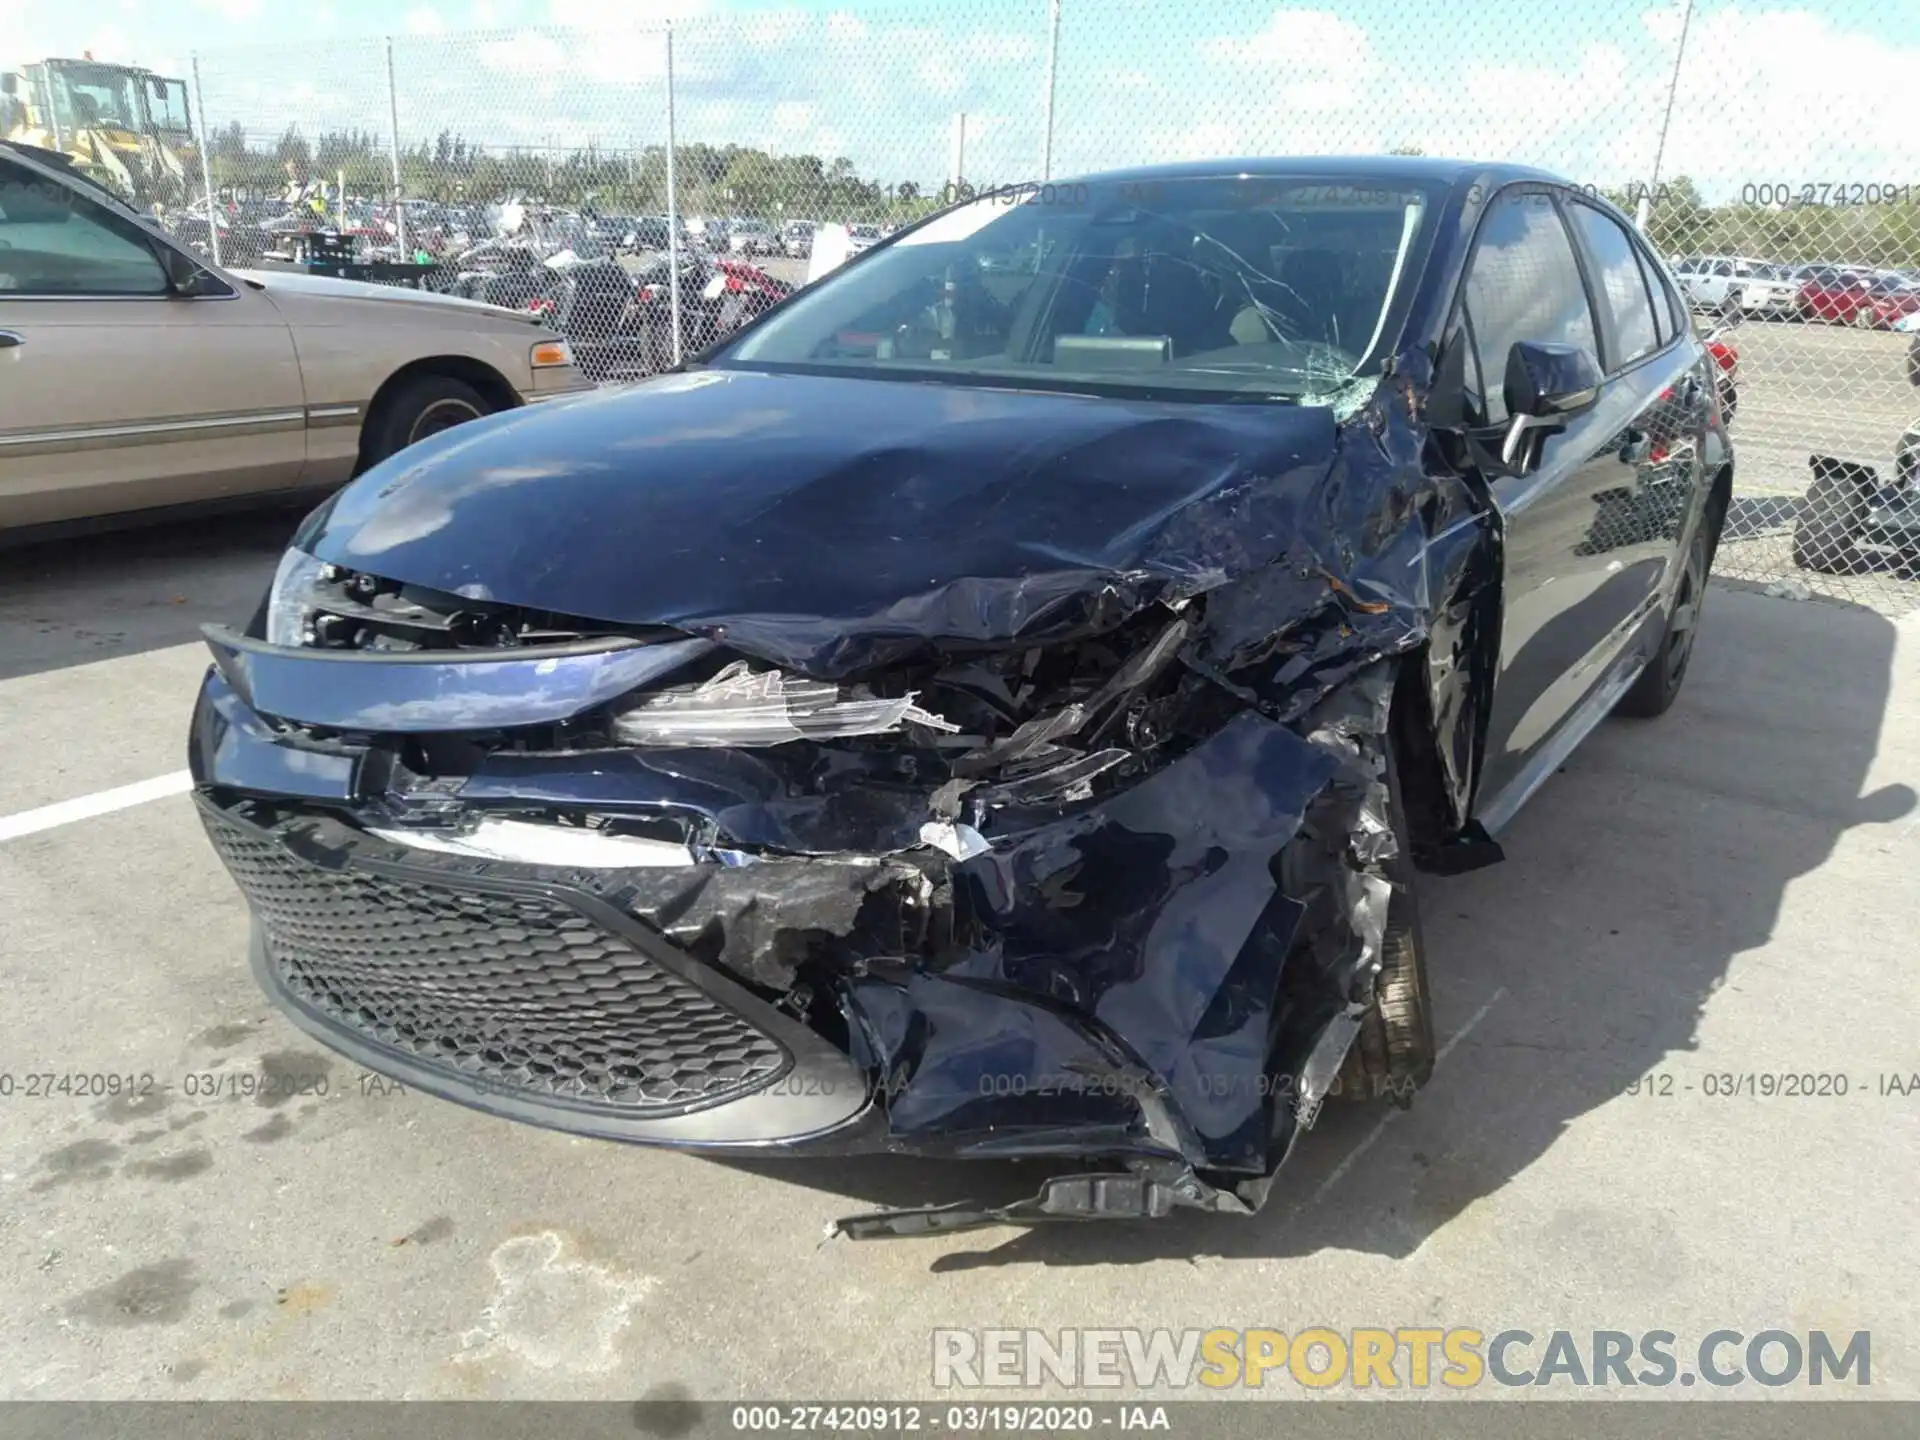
[{"x": 521, "y": 992}]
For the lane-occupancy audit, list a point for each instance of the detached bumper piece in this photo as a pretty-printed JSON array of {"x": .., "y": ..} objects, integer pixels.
[{"x": 524, "y": 999}]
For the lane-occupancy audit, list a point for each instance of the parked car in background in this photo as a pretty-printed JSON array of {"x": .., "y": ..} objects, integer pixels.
[
  {"x": 137, "y": 376},
  {"x": 1861, "y": 298},
  {"x": 653, "y": 232},
  {"x": 752, "y": 237},
  {"x": 796, "y": 238},
  {"x": 986, "y": 713},
  {"x": 864, "y": 237},
  {"x": 1723, "y": 282},
  {"x": 709, "y": 233}
]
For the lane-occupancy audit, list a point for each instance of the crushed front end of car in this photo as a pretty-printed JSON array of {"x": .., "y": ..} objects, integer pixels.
[{"x": 1044, "y": 827}]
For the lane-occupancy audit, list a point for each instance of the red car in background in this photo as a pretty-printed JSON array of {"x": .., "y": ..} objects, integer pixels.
[{"x": 1854, "y": 297}]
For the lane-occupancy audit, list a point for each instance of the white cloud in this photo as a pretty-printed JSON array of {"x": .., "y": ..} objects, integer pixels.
[
  {"x": 843, "y": 25},
  {"x": 999, "y": 46},
  {"x": 236, "y": 12},
  {"x": 527, "y": 52},
  {"x": 425, "y": 20},
  {"x": 1757, "y": 100},
  {"x": 1295, "y": 39},
  {"x": 623, "y": 14},
  {"x": 774, "y": 29},
  {"x": 940, "y": 75},
  {"x": 791, "y": 116}
]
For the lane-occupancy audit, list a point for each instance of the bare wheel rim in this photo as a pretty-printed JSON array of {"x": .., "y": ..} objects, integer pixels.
[
  {"x": 440, "y": 415},
  {"x": 1686, "y": 610}
]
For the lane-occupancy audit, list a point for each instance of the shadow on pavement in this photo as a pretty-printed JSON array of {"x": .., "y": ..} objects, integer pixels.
[
  {"x": 1660, "y": 852},
  {"x": 98, "y": 597}
]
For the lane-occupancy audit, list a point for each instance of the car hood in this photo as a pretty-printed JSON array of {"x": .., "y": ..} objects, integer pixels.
[
  {"x": 328, "y": 287},
  {"x": 830, "y": 524}
]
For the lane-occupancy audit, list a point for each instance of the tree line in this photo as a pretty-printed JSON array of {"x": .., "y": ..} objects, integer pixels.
[
  {"x": 744, "y": 180},
  {"x": 729, "y": 179}
]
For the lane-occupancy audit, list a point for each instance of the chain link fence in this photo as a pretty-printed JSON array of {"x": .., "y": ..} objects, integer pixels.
[{"x": 649, "y": 187}]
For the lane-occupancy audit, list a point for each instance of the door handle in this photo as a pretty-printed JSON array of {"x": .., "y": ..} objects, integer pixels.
[
  {"x": 1636, "y": 446},
  {"x": 10, "y": 339}
]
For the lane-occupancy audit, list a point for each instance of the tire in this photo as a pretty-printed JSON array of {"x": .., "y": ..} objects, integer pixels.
[
  {"x": 1824, "y": 535},
  {"x": 1863, "y": 318},
  {"x": 1393, "y": 1054},
  {"x": 422, "y": 406},
  {"x": 1659, "y": 684}
]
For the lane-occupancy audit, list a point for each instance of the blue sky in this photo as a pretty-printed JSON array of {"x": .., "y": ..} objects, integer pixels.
[{"x": 1820, "y": 91}]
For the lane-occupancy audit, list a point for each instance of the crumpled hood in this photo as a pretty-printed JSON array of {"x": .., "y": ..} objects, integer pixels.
[{"x": 829, "y": 524}]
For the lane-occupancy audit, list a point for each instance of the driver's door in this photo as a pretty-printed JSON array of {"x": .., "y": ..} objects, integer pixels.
[
  {"x": 1573, "y": 599},
  {"x": 115, "y": 393}
]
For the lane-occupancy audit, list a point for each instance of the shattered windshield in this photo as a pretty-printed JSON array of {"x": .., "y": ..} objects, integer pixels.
[{"x": 1239, "y": 287}]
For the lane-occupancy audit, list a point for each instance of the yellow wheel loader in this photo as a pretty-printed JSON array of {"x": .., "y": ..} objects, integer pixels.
[{"x": 124, "y": 126}]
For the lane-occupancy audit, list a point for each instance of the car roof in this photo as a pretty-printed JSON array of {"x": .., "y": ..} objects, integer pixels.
[{"x": 1395, "y": 167}]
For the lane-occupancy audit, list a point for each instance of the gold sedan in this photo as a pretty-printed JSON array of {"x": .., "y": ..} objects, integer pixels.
[{"x": 136, "y": 378}]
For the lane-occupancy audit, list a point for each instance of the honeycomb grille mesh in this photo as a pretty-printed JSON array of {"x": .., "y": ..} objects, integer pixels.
[{"x": 520, "y": 992}]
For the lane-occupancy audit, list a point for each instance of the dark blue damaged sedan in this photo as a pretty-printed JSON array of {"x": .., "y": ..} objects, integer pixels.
[{"x": 995, "y": 704}]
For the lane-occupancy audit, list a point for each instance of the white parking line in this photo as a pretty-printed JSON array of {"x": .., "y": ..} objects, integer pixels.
[
  {"x": 103, "y": 802},
  {"x": 1340, "y": 1170}
]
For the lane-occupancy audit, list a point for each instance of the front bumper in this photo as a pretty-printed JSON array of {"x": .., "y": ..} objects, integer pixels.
[
  {"x": 1124, "y": 980},
  {"x": 521, "y": 997}
]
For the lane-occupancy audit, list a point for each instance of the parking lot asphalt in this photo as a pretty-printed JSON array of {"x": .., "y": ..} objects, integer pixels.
[{"x": 1723, "y": 893}]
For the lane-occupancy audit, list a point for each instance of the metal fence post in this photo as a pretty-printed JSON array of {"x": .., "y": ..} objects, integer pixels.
[
  {"x": 673, "y": 210},
  {"x": 1053, "y": 73},
  {"x": 1643, "y": 210},
  {"x": 393, "y": 151},
  {"x": 206, "y": 159}
]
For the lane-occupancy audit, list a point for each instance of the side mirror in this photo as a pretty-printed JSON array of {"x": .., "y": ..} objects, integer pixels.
[
  {"x": 186, "y": 277},
  {"x": 1544, "y": 385}
]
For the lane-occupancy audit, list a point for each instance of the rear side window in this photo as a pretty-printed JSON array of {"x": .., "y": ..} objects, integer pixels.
[
  {"x": 1667, "y": 321},
  {"x": 1623, "y": 288},
  {"x": 1523, "y": 284}
]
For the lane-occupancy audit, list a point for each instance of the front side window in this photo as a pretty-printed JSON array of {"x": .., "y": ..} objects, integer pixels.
[
  {"x": 1623, "y": 289},
  {"x": 56, "y": 242},
  {"x": 1524, "y": 284},
  {"x": 1232, "y": 287}
]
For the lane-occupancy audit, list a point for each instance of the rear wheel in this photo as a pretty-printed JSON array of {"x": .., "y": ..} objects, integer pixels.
[
  {"x": 1864, "y": 317},
  {"x": 1659, "y": 684},
  {"x": 1825, "y": 535},
  {"x": 421, "y": 407}
]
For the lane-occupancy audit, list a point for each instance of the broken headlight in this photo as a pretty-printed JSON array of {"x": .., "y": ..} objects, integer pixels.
[
  {"x": 742, "y": 706},
  {"x": 290, "y": 599}
]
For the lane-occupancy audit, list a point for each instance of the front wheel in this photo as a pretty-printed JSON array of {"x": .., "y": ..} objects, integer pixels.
[
  {"x": 1393, "y": 1054},
  {"x": 423, "y": 406}
]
